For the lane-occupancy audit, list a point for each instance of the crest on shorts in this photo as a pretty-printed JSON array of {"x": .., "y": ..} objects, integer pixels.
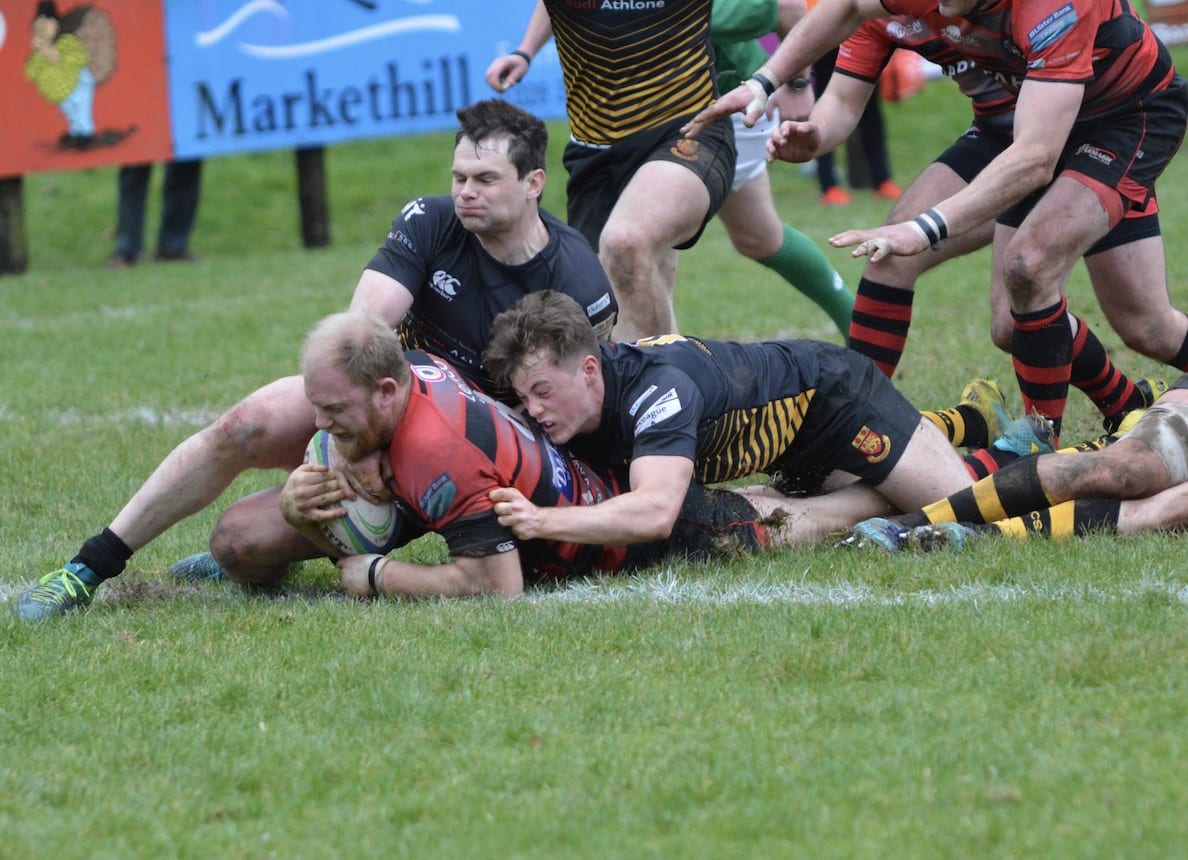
[
  {"x": 871, "y": 445},
  {"x": 686, "y": 149}
]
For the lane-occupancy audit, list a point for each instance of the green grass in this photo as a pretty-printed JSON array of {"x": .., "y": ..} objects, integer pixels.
[{"x": 1009, "y": 701}]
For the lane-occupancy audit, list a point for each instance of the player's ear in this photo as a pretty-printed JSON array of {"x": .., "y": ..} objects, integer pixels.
[
  {"x": 387, "y": 390},
  {"x": 536, "y": 181},
  {"x": 590, "y": 366}
]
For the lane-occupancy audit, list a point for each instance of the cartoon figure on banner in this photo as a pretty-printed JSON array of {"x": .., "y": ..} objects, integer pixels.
[{"x": 71, "y": 55}]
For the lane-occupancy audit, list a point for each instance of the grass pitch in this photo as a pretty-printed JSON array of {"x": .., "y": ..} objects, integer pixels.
[{"x": 1009, "y": 701}]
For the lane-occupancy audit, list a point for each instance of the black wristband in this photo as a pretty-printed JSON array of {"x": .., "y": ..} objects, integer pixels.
[
  {"x": 371, "y": 572},
  {"x": 764, "y": 81},
  {"x": 522, "y": 54},
  {"x": 798, "y": 84},
  {"x": 935, "y": 227}
]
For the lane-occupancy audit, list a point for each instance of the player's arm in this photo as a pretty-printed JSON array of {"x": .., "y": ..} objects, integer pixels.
[
  {"x": 826, "y": 26},
  {"x": 1044, "y": 116},
  {"x": 508, "y": 70},
  {"x": 382, "y": 295},
  {"x": 462, "y": 576},
  {"x": 833, "y": 118},
  {"x": 647, "y": 512}
]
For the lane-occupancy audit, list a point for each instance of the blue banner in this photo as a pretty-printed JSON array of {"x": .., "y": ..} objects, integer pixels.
[{"x": 266, "y": 74}]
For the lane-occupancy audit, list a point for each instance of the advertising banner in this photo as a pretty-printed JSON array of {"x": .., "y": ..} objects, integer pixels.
[{"x": 118, "y": 81}]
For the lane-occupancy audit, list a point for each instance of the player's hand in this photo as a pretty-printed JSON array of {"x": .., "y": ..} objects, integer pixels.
[
  {"x": 311, "y": 495},
  {"x": 364, "y": 477},
  {"x": 739, "y": 100},
  {"x": 786, "y": 103},
  {"x": 902, "y": 240},
  {"x": 794, "y": 141},
  {"x": 505, "y": 72},
  {"x": 517, "y": 513}
]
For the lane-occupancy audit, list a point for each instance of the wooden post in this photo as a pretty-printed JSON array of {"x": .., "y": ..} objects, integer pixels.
[
  {"x": 311, "y": 196},
  {"x": 14, "y": 241}
]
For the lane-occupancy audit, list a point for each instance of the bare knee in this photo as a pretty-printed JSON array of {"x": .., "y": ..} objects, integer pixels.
[
  {"x": 1157, "y": 338},
  {"x": 1002, "y": 332},
  {"x": 233, "y": 545}
]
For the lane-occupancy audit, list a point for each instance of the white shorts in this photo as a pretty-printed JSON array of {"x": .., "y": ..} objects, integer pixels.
[
  {"x": 751, "y": 144},
  {"x": 1164, "y": 429}
]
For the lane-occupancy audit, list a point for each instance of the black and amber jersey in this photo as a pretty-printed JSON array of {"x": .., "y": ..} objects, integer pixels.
[
  {"x": 458, "y": 288},
  {"x": 632, "y": 64},
  {"x": 731, "y": 408},
  {"x": 453, "y": 445}
]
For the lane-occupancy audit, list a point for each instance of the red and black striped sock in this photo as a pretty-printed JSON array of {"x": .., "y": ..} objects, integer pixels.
[
  {"x": 879, "y": 323},
  {"x": 1042, "y": 354},
  {"x": 1094, "y": 373}
]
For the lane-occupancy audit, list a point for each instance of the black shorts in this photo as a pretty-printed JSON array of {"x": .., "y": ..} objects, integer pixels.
[
  {"x": 598, "y": 174},
  {"x": 713, "y": 523},
  {"x": 980, "y": 145},
  {"x": 857, "y": 422},
  {"x": 1120, "y": 158}
]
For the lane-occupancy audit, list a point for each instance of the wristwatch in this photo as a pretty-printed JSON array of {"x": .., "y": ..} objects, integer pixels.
[{"x": 798, "y": 84}]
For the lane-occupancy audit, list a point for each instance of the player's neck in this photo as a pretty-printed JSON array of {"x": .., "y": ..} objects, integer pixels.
[{"x": 520, "y": 244}]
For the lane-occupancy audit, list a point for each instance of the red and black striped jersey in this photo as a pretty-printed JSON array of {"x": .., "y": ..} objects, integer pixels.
[
  {"x": 1102, "y": 44},
  {"x": 453, "y": 445}
]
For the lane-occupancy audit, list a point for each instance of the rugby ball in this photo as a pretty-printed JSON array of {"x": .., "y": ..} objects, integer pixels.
[{"x": 366, "y": 527}]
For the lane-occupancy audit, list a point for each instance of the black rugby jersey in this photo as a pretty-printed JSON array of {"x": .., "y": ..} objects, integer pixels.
[
  {"x": 732, "y": 408},
  {"x": 458, "y": 288}
]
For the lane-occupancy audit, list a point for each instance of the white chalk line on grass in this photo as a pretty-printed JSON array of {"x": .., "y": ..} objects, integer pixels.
[
  {"x": 669, "y": 588},
  {"x": 144, "y": 415}
]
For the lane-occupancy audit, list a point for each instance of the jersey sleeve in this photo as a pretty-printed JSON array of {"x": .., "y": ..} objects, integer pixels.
[
  {"x": 666, "y": 410},
  {"x": 864, "y": 54},
  {"x": 409, "y": 246},
  {"x": 577, "y": 272},
  {"x": 1058, "y": 39}
]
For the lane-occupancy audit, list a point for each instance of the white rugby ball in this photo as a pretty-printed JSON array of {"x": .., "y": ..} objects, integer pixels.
[{"x": 366, "y": 527}]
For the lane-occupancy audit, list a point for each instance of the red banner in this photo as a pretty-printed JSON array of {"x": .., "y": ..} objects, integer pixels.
[{"x": 84, "y": 84}]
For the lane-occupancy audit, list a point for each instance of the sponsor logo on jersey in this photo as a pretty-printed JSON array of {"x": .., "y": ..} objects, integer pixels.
[
  {"x": 639, "y": 400},
  {"x": 430, "y": 374},
  {"x": 413, "y": 208},
  {"x": 1048, "y": 31},
  {"x": 903, "y": 28},
  {"x": 667, "y": 406},
  {"x": 615, "y": 5},
  {"x": 436, "y": 500},
  {"x": 399, "y": 236},
  {"x": 872, "y": 445},
  {"x": 445, "y": 285},
  {"x": 601, "y": 304},
  {"x": 505, "y": 546},
  {"x": 561, "y": 482}
]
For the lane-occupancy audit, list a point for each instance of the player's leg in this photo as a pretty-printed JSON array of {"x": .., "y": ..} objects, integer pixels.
[
  {"x": 800, "y": 520},
  {"x": 1130, "y": 282},
  {"x": 1065, "y": 221},
  {"x": 664, "y": 205},
  {"x": 883, "y": 305},
  {"x": 253, "y": 543},
  {"x": 268, "y": 429},
  {"x": 755, "y": 230}
]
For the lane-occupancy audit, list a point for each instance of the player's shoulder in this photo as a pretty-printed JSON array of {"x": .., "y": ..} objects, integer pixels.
[{"x": 433, "y": 212}]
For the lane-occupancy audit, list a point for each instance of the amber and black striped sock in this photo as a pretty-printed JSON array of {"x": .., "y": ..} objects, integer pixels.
[
  {"x": 1042, "y": 353},
  {"x": 1014, "y": 490},
  {"x": 1068, "y": 519},
  {"x": 879, "y": 324}
]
